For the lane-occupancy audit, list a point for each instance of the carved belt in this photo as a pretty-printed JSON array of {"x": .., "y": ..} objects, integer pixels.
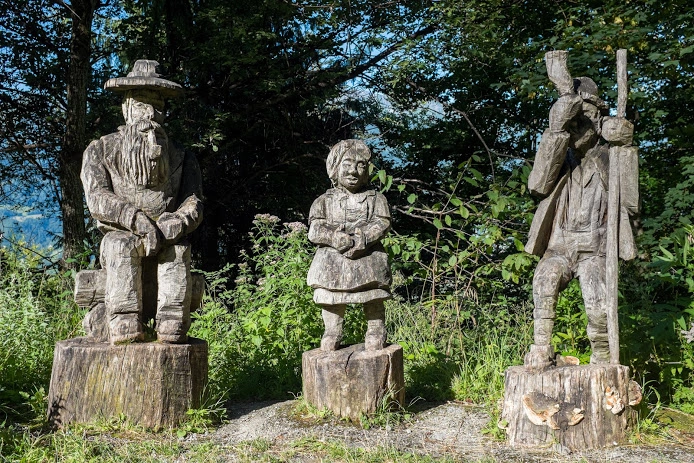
[{"x": 584, "y": 241}]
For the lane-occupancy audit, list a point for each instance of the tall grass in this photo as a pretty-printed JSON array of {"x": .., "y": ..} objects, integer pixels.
[
  {"x": 36, "y": 310},
  {"x": 259, "y": 325}
]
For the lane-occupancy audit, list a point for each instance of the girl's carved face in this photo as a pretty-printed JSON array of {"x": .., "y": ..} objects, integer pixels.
[{"x": 353, "y": 173}]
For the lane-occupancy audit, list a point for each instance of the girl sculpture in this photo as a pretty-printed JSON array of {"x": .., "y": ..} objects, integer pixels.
[{"x": 347, "y": 223}]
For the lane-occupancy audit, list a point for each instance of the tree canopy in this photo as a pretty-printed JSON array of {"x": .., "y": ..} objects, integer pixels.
[
  {"x": 273, "y": 84},
  {"x": 452, "y": 97}
]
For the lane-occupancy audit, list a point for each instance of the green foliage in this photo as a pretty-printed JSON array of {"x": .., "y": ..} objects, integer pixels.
[
  {"x": 482, "y": 365},
  {"x": 662, "y": 306},
  {"x": 36, "y": 310},
  {"x": 471, "y": 245},
  {"x": 570, "y": 336},
  {"x": 199, "y": 420},
  {"x": 460, "y": 356},
  {"x": 259, "y": 328},
  {"x": 388, "y": 413},
  {"x": 271, "y": 293},
  {"x": 333, "y": 450},
  {"x": 683, "y": 399},
  {"x": 305, "y": 412}
]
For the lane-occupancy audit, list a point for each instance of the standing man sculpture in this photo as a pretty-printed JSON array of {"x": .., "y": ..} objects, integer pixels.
[
  {"x": 145, "y": 194},
  {"x": 578, "y": 171},
  {"x": 350, "y": 266}
]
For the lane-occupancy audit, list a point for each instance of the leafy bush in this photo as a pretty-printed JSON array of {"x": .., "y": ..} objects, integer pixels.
[
  {"x": 570, "y": 336},
  {"x": 659, "y": 305},
  {"x": 259, "y": 327},
  {"x": 36, "y": 310}
]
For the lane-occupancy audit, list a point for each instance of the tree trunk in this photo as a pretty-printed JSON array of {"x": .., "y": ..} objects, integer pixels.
[
  {"x": 352, "y": 381},
  {"x": 71, "y": 200},
  {"x": 152, "y": 384},
  {"x": 577, "y": 407}
]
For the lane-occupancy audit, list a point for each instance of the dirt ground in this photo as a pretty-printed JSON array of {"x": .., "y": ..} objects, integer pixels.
[{"x": 450, "y": 429}]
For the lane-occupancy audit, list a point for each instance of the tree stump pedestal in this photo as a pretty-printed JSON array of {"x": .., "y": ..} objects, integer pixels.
[
  {"x": 352, "y": 381},
  {"x": 151, "y": 384},
  {"x": 577, "y": 407}
]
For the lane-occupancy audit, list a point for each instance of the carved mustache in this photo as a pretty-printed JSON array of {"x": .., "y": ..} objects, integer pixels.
[{"x": 146, "y": 124}]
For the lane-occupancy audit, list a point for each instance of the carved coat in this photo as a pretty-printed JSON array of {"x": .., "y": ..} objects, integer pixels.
[
  {"x": 366, "y": 275},
  {"x": 113, "y": 200},
  {"x": 573, "y": 214}
]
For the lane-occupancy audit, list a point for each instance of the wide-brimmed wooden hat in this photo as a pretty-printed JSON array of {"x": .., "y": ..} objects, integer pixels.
[{"x": 144, "y": 76}]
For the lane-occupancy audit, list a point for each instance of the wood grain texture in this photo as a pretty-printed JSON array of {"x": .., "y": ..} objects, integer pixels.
[
  {"x": 352, "y": 381},
  {"x": 602, "y": 392},
  {"x": 151, "y": 384},
  {"x": 558, "y": 71},
  {"x": 577, "y": 175},
  {"x": 89, "y": 287},
  {"x": 90, "y": 291},
  {"x": 612, "y": 257},
  {"x": 622, "y": 85}
]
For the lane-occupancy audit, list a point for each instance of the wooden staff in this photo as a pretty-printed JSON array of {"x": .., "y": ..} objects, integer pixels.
[{"x": 613, "y": 207}]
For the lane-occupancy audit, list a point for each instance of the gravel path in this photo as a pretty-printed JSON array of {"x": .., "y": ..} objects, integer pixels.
[{"x": 450, "y": 429}]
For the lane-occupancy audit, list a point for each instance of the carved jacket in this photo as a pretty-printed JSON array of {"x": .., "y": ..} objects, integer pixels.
[
  {"x": 366, "y": 269},
  {"x": 113, "y": 200},
  {"x": 572, "y": 216}
]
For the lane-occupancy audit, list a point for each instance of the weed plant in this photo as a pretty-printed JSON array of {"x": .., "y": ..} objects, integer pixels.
[
  {"x": 36, "y": 310},
  {"x": 259, "y": 325}
]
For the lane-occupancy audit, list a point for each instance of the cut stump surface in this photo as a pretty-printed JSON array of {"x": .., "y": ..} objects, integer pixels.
[
  {"x": 151, "y": 384},
  {"x": 352, "y": 381}
]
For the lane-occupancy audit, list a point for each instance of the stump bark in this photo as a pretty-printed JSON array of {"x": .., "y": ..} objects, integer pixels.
[
  {"x": 352, "y": 381},
  {"x": 151, "y": 384},
  {"x": 578, "y": 407}
]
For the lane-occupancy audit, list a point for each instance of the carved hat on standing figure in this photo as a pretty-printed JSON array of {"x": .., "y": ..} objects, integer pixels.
[{"x": 588, "y": 90}]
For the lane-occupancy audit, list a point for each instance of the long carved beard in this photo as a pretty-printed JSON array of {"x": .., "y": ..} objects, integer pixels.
[{"x": 143, "y": 153}]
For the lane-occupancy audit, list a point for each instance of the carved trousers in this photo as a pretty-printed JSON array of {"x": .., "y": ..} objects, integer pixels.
[
  {"x": 122, "y": 255},
  {"x": 552, "y": 275}
]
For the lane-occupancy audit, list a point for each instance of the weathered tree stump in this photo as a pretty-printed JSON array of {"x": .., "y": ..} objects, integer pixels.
[
  {"x": 151, "y": 384},
  {"x": 352, "y": 381},
  {"x": 578, "y": 407}
]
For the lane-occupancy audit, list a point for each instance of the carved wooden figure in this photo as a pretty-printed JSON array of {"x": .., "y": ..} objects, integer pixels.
[
  {"x": 586, "y": 171},
  {"x": 145, "y": 194},
  {"x": 350, "y": 266},
  {"x": 572, "y": 174}
]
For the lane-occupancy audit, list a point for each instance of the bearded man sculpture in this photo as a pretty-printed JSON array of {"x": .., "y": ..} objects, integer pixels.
[
  {"x": 145, "y": 194},
  {"x": 347, "y": 222}
]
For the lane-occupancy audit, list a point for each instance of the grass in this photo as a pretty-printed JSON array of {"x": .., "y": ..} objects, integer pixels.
[
  {"x": 388, "y": 414},
  {"x": 307, "y": 414},
  {"x": 92, "y": 443}
]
